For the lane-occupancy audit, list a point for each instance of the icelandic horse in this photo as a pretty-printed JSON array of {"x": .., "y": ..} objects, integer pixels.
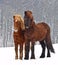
[
  {"x": 36, "y": 32},
  {"x": 18, "y": 34}
]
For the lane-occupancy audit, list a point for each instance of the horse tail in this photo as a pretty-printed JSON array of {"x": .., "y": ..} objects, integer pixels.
[
  {"x": 48, "y": 38},
  {"x": 49, "y": 42},
  {"x": 51, "y": 48}
]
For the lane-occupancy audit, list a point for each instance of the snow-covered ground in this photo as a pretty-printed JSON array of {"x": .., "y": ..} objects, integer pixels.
[{"x": 7, "y": 57}]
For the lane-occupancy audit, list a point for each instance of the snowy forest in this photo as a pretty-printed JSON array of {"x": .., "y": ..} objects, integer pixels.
[{"x": 43, "y": 10}]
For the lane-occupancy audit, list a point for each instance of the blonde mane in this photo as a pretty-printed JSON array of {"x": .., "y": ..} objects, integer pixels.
[{"x": 20, "y": 19}]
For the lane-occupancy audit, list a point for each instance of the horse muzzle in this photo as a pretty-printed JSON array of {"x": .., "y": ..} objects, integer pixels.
[{"x": 26, "y": 27}]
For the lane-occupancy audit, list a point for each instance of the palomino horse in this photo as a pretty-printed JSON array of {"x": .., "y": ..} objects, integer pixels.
[
  {"x": 36, "y": 32},
  {"x": 18, "y": 35}
]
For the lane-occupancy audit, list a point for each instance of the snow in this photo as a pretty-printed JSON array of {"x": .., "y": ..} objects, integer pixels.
[
  {"x": 7, "y": 57},
  {"x": 1, "y": 41}
]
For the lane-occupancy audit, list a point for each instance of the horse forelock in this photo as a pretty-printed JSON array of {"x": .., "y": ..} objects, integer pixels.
[{"x": 28, "y": 21}]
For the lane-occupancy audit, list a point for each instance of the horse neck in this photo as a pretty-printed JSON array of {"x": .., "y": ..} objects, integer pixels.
[
  {"x": 33, "y": 24},
  {"x": 19, "y": 30}
]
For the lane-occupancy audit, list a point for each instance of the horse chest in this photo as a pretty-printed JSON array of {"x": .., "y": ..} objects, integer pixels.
[{"x": 18, "y": 38}]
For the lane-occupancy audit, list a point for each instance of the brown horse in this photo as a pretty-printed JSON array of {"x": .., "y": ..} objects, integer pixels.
[
  {"x": 36, "y": 32},
  {"x": 18, "y": 35}
]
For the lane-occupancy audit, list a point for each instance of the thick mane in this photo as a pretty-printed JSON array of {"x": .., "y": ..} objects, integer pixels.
[
  {"x": 20, "y": 19},
  {"x": 22, "y": 23}
]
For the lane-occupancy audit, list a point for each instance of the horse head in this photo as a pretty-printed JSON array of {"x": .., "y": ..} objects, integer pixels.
[
  {"x": 28, "y": 18},
  {"x": 18, "y": 23}
]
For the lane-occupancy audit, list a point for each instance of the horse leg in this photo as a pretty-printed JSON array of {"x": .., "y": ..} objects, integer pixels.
[
  {"x": 48, "y": 52},
  {"x": 48, "y": 47},
  {"x": 27, "y": 47},
  {"x": 16, "y": 51},
  {"x": 32, "y": 50},
  {"x": 48, "y": 44},
  {"x": 43, "y": 49},
  {"x": 21, "y": 51}
]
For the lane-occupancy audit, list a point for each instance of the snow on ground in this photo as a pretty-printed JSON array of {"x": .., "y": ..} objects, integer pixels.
[{"x": 7, "y": 57}]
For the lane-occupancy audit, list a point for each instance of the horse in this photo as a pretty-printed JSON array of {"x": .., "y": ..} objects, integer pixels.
[
  {"x": 18, "y": 35},
  {"x": 36, "y": 32}
]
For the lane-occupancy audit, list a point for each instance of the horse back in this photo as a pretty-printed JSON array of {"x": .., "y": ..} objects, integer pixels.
[{"x": 44, "y": 25}]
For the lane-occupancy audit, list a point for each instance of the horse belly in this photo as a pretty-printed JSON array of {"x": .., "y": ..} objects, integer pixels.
[{"x": 39, "y": 35}]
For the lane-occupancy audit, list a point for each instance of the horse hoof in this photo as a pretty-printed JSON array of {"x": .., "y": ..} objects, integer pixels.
[
  {"x": 32, "y": 57},
  {"x": 42, "y": 56},
  {"x": 26, "y": 58},
  {"x": 48, "y": 56},
  {"x": 16, "y": 58},
  {"x": 20, "y": 58}
]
